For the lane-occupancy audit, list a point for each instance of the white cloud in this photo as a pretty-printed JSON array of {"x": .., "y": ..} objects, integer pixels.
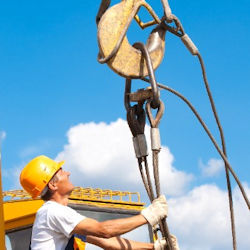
[
  {"x": 11, "y": 176},
  {"x": 212, "y": 168},
  {"x": 28, "y": 151},
  {"x": 100, "y": 154},
  {"x": 200, "y": 219},
  {"x": 2, "y": 135},
  {"x": 31, "y": 150}
]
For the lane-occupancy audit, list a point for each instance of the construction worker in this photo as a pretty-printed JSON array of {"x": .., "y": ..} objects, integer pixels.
[{"x": 59, "y": 227}]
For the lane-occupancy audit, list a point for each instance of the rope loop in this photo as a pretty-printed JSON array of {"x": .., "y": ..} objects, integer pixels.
[
  {"x": 177, "y": 30},
  {"x": 154, "y": 122}
]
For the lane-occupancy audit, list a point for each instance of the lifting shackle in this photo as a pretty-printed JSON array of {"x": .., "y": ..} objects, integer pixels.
[{"x": 115, "y": 49}]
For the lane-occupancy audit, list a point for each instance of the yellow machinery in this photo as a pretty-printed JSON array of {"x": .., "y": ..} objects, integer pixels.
[
  {"x": 2, "y": 238},
  {"x": 20, "y": 209}
]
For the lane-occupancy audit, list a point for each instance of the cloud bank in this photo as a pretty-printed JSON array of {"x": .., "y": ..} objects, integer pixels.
[
  {"x": 201, "y": 219},
  {"x": 102, "y": 155},
  {"x": 2, "y": 135},
  {"x": 212, "y": 168}
]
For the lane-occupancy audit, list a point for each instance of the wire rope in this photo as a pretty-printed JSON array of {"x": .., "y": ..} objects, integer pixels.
[
  {"x": 229, "y": 188},
  {"x": 209, "y": 135}
]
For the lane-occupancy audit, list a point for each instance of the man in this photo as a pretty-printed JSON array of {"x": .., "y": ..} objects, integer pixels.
[{"x": 56, "y": 223}]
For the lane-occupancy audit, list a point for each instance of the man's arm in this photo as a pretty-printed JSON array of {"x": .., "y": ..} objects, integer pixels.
[
  {"x": 109, "y": 228},
  {"x": 118, "y": 243}
]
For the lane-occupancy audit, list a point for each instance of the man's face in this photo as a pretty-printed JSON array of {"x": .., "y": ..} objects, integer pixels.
[{"x": 63, "y": 184}]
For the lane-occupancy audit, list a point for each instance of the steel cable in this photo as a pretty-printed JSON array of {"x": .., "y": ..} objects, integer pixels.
[
  {"x": 149, "y": 179},
  {"x": 145, "y": 182},
  {"x": 163, "y": 224},
  {"x": 209, "y": 135},
  {"x": 223, "y": 148},
  {"x": 196, "y": 53},
  {"x": 136, "y": 122},
  {"x": 156, "y": 172}
]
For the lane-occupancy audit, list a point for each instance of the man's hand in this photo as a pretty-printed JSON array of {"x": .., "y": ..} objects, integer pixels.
[
  {"x": 156, "y": 211},
  {"x": 174, "y": 242},
  {"x": 160, "y": 244}
]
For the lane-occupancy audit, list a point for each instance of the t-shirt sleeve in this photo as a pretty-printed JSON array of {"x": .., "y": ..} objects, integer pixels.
[{"x": 63, "y": 219}]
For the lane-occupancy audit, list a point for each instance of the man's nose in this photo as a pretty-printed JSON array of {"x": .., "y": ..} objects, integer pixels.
[{"x": 66, "y": 172}]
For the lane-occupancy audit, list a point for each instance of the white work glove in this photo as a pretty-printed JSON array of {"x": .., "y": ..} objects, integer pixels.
[
  {"x": 161, "y": 244},
  {"x": 156, "y": 211},
  {"x": 174, "y": 242}
]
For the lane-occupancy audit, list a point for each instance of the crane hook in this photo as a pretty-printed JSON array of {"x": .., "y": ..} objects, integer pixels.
[{"x": 115, "y": 48}]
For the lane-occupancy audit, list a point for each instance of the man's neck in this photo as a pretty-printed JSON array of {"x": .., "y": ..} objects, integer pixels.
[{"x": 63, "y": 200}]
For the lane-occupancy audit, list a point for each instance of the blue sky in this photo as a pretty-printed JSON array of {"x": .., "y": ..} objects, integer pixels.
[{"x": 53, "y": 89}]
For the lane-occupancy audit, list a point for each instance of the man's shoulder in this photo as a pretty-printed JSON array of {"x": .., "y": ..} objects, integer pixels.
[
  {"x": 55, "y": 214},
  {"x": 54, "y": 208},
  {"x": 51, "y": 206}
]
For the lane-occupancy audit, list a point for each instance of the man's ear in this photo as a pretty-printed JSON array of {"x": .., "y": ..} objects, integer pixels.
[{"x": 52, "y": 186}]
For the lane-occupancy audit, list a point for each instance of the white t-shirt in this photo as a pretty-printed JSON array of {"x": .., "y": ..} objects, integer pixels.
[{"x": 53, "y": 226}]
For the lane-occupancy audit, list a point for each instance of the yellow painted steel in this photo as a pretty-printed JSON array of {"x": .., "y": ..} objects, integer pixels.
[
  {"x": 20, "y": 213},
  {"x": 127, "y": 62},
  {"x": 79, "y": 244},
  {"x": 106, "y": 195},
  {"x": 2, "y": 230},
  {"x": 20, "y": 208}
]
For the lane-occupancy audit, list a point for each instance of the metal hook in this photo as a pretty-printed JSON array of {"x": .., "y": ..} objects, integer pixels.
[{"x": 114, "y": 45}]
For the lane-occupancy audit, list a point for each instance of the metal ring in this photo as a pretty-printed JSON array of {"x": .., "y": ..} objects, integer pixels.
[
  {"x": 126, "y": 94},
  {"x": 156, "y": 95}
]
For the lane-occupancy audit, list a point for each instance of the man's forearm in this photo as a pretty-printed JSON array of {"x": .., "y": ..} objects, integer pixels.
[
  {"x": 120, "y": 226},
  {"x": 118, "y": 243},
  {"x": 110, "y": 228}
]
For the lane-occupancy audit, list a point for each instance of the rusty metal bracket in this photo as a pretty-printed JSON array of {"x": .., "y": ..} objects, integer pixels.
[
  {"x": 115, "y": 49},
  {"x": 141, "y": 95}
]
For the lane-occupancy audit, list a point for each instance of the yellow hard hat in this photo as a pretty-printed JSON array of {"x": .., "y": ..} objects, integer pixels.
[{"x": 37, "y": 174}]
